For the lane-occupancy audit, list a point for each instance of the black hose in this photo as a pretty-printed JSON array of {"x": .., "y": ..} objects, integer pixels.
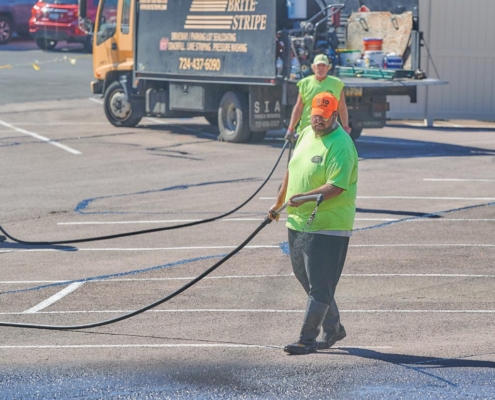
[
  {"x": 166, "y": 228},
  {"x": 149, "y": 306}
]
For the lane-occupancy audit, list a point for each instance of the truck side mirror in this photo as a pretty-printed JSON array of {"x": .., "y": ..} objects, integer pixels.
[
  {"x": 86, "y": 25},
  {"x": 83, "y": 8}
]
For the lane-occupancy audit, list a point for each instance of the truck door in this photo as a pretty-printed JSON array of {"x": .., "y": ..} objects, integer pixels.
[
  {"x": 113, "y": 37},
  {"x": 106, "y": 43}
]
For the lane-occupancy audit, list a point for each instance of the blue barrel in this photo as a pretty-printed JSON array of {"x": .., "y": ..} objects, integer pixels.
[{"x": 393, "y": 61}]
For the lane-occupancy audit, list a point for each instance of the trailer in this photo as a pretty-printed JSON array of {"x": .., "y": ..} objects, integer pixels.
[{"x": 237, "y": 62}]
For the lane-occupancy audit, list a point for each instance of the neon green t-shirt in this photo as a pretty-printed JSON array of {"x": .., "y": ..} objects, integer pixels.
[
  {"x": 317, "y": 161},
  {"x": 309, "y": 87}
]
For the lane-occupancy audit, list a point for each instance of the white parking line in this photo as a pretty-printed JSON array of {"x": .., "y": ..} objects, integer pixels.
[
  {"x": 42, "y": 138},
  {"x": 169, "y": 221},
  {"x": 69, "y": 123},
  {"x": 411, "y": 198},
  {"x": 56, "y": 297},
  {"x": 247, "y": 247},
  {"x": 265, "y": 311},
  {"x": 258, "y": 277},
  {"x": 261, "y": 219},
  {"x": 177, "y": 345},
  {"x": 458, "y": 180}
]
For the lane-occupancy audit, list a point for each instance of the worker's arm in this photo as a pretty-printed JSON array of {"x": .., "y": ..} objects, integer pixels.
[
  {"x": 280, "y": 197},
  {"x": 328, "y": 191},
  {"x": 294, "y": 119},
  {"x": 343, "y": 113}
]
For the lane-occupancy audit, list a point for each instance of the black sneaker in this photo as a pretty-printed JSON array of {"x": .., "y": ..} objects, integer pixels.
[
  {"x": 326, "y": 344},
  {"x": 301, "y": 348}
]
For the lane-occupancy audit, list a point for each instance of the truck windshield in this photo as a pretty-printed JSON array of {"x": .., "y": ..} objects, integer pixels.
[
  {"x": 65, "y": 2},
  {"x": 107, "y": 20}
]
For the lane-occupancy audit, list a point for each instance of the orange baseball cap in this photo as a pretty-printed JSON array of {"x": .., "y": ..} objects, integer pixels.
[{"x": 324, "y": 104}]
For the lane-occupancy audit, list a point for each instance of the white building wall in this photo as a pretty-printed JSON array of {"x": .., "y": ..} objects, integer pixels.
[{"x": 461, "y": 38}]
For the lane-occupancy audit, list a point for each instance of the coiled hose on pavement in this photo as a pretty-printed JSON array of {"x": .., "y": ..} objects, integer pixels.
[
  {"x": 266, "y": 221},
  {"x": 149, "y": 306},
  {"x": 166, "y": 228}
]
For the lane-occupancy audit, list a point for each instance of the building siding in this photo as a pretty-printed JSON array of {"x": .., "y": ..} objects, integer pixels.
[{"x": 461, "y": 38}]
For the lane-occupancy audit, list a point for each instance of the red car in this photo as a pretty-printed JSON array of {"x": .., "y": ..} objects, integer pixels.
[{"x": 55, "y": 20}]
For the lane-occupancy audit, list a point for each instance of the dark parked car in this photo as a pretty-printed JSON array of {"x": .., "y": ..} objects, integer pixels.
[{"x": 14, "y": 17}]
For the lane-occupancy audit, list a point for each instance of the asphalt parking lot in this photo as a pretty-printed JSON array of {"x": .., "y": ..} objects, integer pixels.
[{"x": 416, "y": 296}]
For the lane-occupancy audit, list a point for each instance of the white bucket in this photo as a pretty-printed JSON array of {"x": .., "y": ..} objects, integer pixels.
[
  {"x": 374, "y": 59},
  {"x": 349, "y": 58},
  {"x": 297, "y": 9}
]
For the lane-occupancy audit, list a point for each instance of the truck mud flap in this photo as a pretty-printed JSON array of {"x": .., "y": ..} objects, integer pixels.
[{"x": 266, "y": 110}]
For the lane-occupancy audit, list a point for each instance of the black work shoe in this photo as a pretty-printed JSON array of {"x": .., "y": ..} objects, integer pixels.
[
  {"x": 2, "y": 238},
  {"x": 301, "y": 348},
  {"x": 331, "y": 340}
]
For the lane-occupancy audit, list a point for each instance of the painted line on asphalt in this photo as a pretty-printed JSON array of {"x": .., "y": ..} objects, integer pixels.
[
  {"x": 393, "y": 142},
  {"x": 157, "y": 221},
  {"x": 56, "y": 297},
  {"x": 176, "y": 345},
  {"x": 61, "y": 123},
  {"x": 411, "y": 198},
  {"x": 233, "y": 247},
  {"x": 95, "y": 100},
  {"x": 261, "y": 219},
  {"x": 458, "y": 180},
  {"x": 42, "y": 138},
  {"x": 118, "y": 274},
  {"x": 262, "y": 276},
  {"x": 257, "y": 311}
]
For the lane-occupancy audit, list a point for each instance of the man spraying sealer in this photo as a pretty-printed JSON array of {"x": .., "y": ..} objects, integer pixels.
[{"x": 325, "y": 162}]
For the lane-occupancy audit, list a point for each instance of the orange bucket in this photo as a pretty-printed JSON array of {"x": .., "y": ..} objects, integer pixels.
[{"x": 372, "y": 44}]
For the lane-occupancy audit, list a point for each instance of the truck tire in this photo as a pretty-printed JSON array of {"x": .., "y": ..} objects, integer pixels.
[
  {"x": 119, "y": 111},
  {"x": 5, "y": 29},
  {"x": 46, "y": 44},
  {"x": 233, "y": 117},
  {"x": 257, "y": 137},
  {"x": 355, "y": 133}
]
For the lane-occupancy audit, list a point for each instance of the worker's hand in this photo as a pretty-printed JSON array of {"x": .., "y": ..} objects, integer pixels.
[
  {"x": 291, "y": 135},
  {"x": 271, "y": 213},
  {"x": 292, "y": 203},
  {"x": 348, "y": 129}
]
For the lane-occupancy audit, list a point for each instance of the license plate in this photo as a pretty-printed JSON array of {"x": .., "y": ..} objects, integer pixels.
[
  {"x": 353, "y": 92},
  {"x": 53, "y": 16}
]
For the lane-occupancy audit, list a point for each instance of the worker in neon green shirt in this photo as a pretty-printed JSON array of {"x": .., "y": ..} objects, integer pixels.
[
  {"x": 325, "y": 162},
  {"x": 310, "y": 87}
]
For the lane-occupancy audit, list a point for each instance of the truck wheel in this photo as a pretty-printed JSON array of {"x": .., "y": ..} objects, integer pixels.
[
  {"x": 355, "y": 133},
  {"x": 257, "y": 137},
  {"x": 46, "y": 44},
  {"x": 233, "y": 117},
  {"x": 212, "y": 119},
  {"x": 5, "y": 29},
  {"x": 119, "y": 111}
]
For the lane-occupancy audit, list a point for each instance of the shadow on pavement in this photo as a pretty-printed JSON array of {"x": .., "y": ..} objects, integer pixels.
[
  {"x": 408, "y": 213},
  {"x": 419, "y": 361},
  {"x": 19, "y": 246},
  {"x": 376, "y": 147}
]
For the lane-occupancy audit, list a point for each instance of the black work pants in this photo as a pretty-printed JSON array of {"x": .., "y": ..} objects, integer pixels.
[{"x": 317, "y": 261}]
